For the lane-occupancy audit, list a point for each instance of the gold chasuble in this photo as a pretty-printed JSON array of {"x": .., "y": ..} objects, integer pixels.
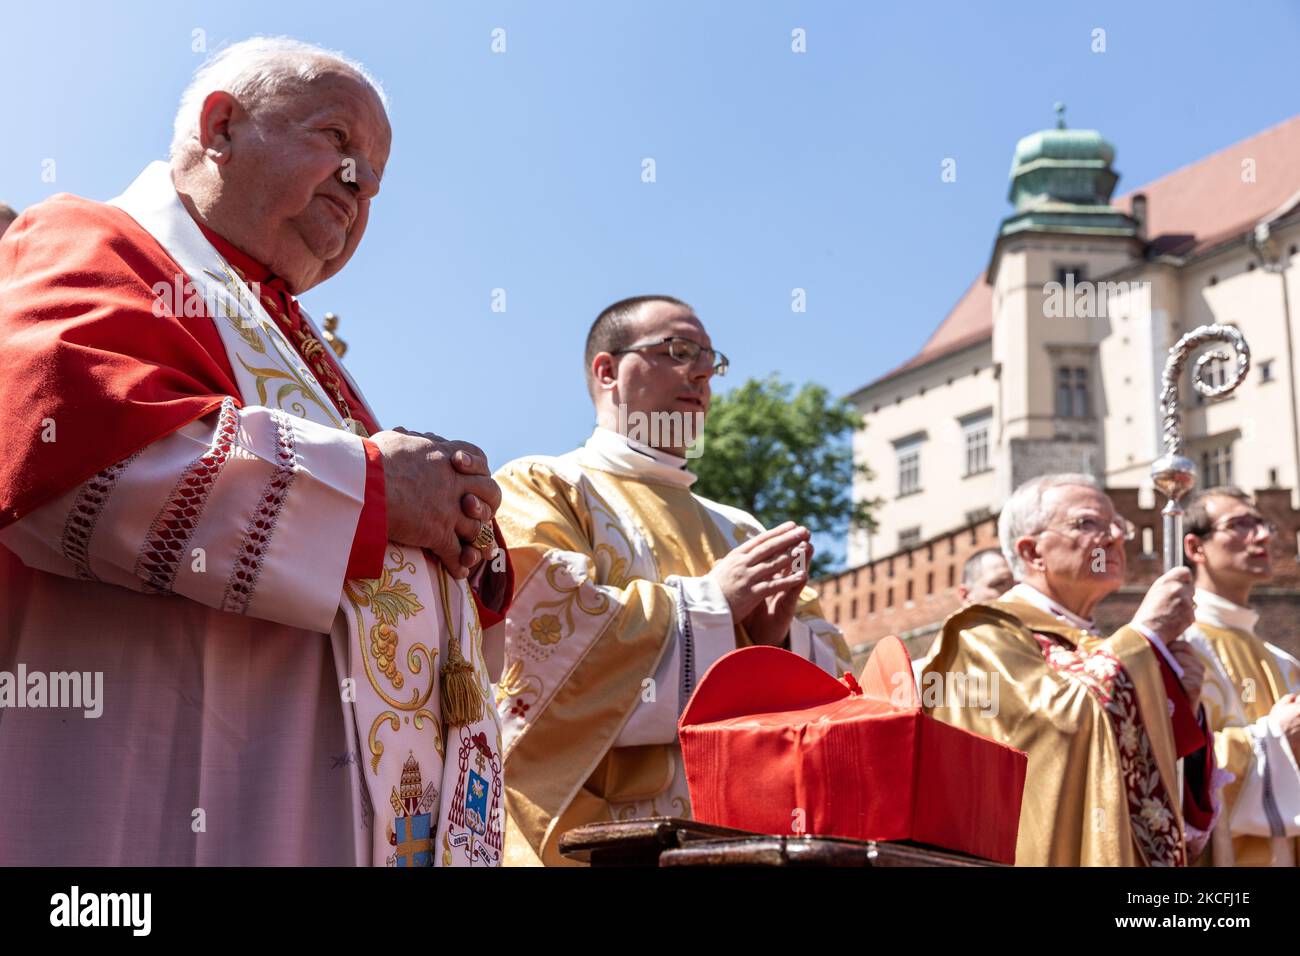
[
  {"x": 1244, "y": 678},
  {"x": 613, "y": 623},
  {"x": 1091, "y": 713}
]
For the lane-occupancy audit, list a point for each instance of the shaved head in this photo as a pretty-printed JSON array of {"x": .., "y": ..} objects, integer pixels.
[{"x": 616, "y": 328}]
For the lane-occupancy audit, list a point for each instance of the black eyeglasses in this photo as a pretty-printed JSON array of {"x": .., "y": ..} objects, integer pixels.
[
  {"x": 685, "y": 351},
  {"x": 1245, "y": 526}
]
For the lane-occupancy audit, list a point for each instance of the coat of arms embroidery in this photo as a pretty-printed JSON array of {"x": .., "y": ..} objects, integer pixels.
[{"x": 476, "y": 803}]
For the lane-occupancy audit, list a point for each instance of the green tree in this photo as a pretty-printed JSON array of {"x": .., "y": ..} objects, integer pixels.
[{"x": 784, "y": 456}]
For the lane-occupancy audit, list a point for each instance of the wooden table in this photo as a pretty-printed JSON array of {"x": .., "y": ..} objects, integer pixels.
[
  {"x": 637, "y": 842},
  {"x": 672, "y": 841}
]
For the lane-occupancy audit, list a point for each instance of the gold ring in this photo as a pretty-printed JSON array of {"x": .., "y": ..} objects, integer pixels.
[{"x": 486, "y": 538}]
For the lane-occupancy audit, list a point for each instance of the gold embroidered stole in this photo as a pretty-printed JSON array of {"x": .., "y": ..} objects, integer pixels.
[{"x": 434, "y": 790}]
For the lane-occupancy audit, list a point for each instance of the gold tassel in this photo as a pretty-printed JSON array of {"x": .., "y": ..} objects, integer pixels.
[{"x": 462, "y": 702}]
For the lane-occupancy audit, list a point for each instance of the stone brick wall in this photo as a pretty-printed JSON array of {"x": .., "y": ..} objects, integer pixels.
[
  {"x": 1279, "y": 617},
  {"x": 911, "y": 591}
]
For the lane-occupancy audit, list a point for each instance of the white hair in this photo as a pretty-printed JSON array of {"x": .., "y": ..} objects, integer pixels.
[
  {"x": 254, "y": 69},
  {"x": 1024, "y": 513}
]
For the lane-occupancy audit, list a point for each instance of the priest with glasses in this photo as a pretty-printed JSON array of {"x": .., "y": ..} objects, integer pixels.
[{"x": 630, "y": 587}]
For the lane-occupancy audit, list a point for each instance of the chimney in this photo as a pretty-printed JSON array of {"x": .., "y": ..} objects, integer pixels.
[{"x": 1140, "y": 214}]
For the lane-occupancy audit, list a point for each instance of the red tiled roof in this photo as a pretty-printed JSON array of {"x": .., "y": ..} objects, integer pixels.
[
  {"x": 969, "y": 322},
  {"x": 1199, "y": 206},
  {"x": 1188, "y": 211}
]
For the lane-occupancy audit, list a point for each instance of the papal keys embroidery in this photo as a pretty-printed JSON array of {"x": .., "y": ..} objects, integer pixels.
[{"x": 410, "y": 833}]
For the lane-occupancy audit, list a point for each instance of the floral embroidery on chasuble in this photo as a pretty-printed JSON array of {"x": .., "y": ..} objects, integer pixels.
[
  {"x": 566, "y": 612},
  {"x": 1152, "y": 815},
  {"x": 425, "y": 793}
]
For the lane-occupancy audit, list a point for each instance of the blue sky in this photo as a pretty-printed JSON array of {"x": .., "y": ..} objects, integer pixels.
[{"x": 774, "y": 170}]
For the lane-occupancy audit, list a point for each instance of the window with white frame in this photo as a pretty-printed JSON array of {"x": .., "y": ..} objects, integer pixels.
[
  {"x": 975, "y": 440},
  {"x": 909, "y": 465},
  {"x": 909, "y": 538}
]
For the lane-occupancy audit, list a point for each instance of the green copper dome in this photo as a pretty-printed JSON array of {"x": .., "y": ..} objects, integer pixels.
[
  {"x": 1069, "y": 164},
  {"x": 1061, "y": 181},
  {"x": 1061, "y": 143}
]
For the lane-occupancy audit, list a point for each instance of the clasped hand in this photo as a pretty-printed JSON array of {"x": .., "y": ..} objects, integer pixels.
[
  {"x": 763, "y": 578},
  {"x": 439, "y": 493}
]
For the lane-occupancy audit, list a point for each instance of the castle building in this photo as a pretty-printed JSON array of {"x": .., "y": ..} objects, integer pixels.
[{"x": 1051, "y": 361}]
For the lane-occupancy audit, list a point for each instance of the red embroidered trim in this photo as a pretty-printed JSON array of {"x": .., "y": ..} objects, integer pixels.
[
  {"x": 1096, "y": 671},
  {"x": 84, "y": 515},
  {"x": 1152, "y": 815},
  {"x": 257, "y": 534},
  {"x": 169, "y": 536}
]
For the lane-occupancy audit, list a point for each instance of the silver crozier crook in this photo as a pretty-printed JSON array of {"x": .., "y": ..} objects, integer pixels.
[{"x": 1175, "y": 475}]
